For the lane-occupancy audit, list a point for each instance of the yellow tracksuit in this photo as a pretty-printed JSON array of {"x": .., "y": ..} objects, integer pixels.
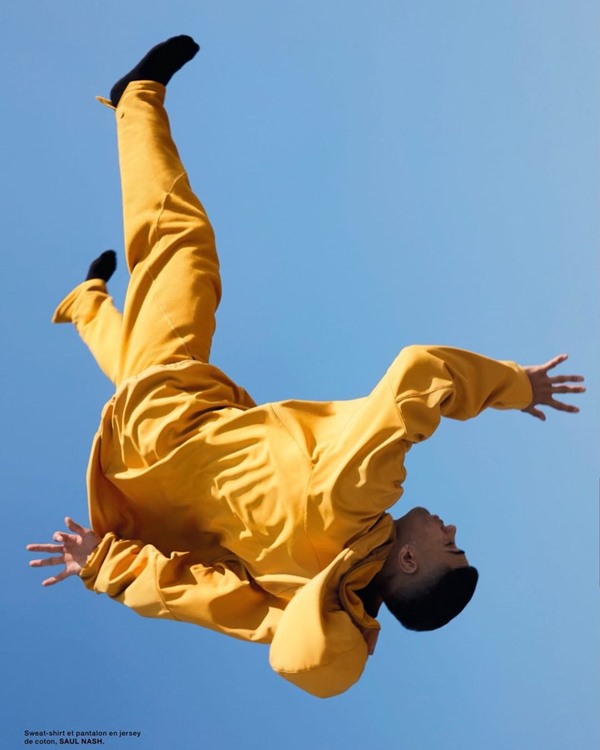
[{"x": 261, "y": 522}]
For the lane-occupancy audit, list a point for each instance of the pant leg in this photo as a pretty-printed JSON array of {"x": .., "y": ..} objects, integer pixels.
[
  {"x": 175, "y": 288},
  {"x": 90, "y": 308}
]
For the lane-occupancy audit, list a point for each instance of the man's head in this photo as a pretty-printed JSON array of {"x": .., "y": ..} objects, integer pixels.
[{"x": 426, "y": 579}]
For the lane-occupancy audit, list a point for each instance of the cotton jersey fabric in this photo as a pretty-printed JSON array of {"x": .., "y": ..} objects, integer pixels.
[{"x": 258, "y": 521}]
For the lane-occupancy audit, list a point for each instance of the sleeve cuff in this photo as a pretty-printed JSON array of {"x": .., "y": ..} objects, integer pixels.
[
  {"x": 89, "y": 573},
  {"x": 521, "y": 393}
]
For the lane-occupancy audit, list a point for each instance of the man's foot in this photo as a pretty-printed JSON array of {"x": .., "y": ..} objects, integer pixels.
[
  {"x": 160, "y": 64},
  {"x": 103, "y": 266}
]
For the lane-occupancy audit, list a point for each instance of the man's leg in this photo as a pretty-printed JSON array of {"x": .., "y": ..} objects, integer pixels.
[
  {"x": 175, "y": 286},
  {"x": 91, "y": 310}
]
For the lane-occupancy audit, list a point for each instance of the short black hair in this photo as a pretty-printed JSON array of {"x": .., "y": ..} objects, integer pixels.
[{"x": 436, "y": 604}]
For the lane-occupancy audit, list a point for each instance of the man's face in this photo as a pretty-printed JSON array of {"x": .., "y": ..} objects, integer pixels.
[{"x": 434, "y": 543}]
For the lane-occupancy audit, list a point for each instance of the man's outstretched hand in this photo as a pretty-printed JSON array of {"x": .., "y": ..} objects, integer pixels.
[
  {"x": 73, "y": 550},
  {"x": 545, "y": 388}
]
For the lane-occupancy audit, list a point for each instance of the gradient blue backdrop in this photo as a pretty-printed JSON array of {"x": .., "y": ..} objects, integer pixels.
[{"x": 377, "y": 174}]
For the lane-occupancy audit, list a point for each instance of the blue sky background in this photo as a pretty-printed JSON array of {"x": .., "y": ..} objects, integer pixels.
[{"x": 378, "y": 175}]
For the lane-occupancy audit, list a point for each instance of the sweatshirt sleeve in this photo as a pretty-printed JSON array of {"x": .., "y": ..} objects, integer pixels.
[
  {"x": 362, "y": 472},
  {"x": 325, "y": 636},
  {"x": 430, "y": 382},
  {"x": 221, "y": 596}
]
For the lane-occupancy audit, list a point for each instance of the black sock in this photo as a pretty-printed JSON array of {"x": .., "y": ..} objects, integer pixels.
[
  {"x": 103, "y": 266},
  {"x": 160, "y": 64}
]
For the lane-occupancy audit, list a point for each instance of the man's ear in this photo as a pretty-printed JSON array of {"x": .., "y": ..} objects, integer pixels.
[{"x": 407, "y": 559}]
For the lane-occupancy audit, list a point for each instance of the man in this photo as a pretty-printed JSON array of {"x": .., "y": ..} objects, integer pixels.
[{"x": 268, "y": 522}]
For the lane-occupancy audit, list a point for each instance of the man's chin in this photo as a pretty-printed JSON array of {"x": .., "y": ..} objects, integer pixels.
[{"x": 418, "y": 511}]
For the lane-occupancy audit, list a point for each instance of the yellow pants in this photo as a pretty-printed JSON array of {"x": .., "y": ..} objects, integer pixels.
[{"x": 175, "y": 288}]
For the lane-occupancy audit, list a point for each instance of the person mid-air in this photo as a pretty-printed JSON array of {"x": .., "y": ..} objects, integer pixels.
[{"x": 264, "y": 522}]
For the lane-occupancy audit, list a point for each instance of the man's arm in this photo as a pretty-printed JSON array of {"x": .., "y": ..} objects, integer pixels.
[
  {"x": 221, "y": 596},
  {"x": 431, "y": 382}
]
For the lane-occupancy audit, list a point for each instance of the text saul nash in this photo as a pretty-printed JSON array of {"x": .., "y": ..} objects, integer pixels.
[{"x": 75, "y": 738}]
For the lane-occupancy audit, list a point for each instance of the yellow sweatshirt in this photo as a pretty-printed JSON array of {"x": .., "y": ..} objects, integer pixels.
[{"x": 262, "y": 522}]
